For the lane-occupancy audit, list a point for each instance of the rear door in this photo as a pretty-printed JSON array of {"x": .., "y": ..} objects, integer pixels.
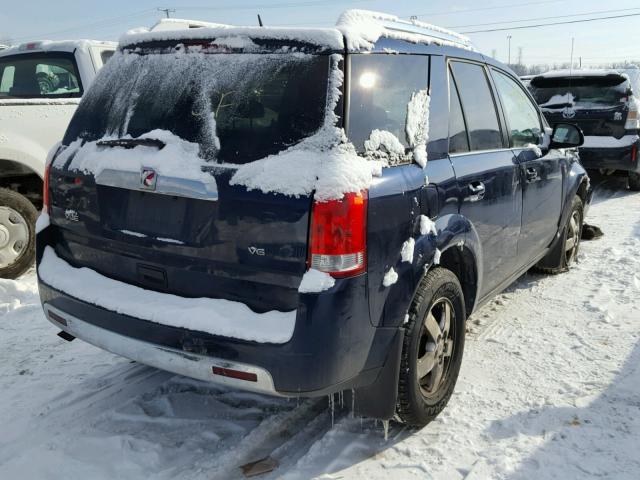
[
  {"x": 486, "y": 170},
  {"x": 541, "y": 174}
]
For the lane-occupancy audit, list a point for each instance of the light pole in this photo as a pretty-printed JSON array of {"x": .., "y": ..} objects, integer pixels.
[{"x": 509, "y": 57}]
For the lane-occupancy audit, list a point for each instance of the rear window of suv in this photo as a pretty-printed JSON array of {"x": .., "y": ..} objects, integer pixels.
[
  {"x": 238, "y": 107},
  {"x": 39, "y": 76},
  {"x": 586, "y": 92}
]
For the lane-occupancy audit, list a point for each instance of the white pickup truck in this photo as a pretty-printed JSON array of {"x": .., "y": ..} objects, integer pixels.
[{"x": 41, "y": 84}]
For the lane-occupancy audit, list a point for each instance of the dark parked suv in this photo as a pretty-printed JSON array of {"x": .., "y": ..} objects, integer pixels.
[
  {"x": 605, "y": 105},
  {"x": 254, "y": 207}
]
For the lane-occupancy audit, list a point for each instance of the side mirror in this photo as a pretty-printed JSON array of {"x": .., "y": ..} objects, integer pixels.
[{"x": 566, "y": 135}]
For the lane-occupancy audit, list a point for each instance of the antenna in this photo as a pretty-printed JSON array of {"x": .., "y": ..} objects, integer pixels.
[
  {"x": 167, "y": 11},
  {"x": 260, "y": 21}
]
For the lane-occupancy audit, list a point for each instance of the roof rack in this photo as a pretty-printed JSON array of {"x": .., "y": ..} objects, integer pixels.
[
  {"x": 396, "y": 27},
  {"x": 183, "y": 24}
]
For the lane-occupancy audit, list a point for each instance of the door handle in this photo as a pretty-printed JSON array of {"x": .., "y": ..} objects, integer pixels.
[
  {"x": 532, "y": 174},
  {"x": 477, "y": 190}
]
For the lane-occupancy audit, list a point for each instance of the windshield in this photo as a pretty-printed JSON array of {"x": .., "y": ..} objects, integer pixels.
[
  {"x": 238, "y": 107},
  {"x": 583, "y": 92}
]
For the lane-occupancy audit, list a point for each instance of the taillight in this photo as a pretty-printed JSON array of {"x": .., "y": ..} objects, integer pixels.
[
  {"x": 338, "y": 235},
  {"x": 45, "y": 188},
  {"x": 633, "y": 117}
]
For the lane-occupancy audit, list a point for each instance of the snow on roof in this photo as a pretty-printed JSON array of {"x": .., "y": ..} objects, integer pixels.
[
  {"x": 56, "y": 45},
  {"x": 579, "y": 73},
  {"x": 360, "y": 28},
  {"x": 165, "y": 24},
  {"x": 323, "y": 37}
]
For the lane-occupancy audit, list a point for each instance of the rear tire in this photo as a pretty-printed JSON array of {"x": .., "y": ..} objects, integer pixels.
[
  {"x": 634, "y": 181},
  {"x": 433, "y": 348},
  {"x": 17, "y": 234},
  {"x": 566, "y": 252}
]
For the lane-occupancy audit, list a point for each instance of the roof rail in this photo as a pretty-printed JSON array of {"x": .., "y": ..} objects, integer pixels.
[
  {"x": 183, "y": 24},
  {"x": 395, "y": 27}
]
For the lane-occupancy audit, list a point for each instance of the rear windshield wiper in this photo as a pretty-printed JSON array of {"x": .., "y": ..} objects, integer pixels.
[{"x": 132, "y": 143}]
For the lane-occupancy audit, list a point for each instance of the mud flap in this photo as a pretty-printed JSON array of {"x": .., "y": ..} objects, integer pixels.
[{"x": 378, "y": 400}]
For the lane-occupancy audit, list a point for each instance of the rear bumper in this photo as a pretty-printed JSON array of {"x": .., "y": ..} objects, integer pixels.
[
  {"x": 621, "y": 158},
  {"x": 334, "y": 346},
  {"x": 169, "y": 359}
]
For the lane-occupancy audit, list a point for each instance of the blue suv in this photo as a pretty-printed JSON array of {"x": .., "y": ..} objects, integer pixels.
[{"x": 304, "y": 212}]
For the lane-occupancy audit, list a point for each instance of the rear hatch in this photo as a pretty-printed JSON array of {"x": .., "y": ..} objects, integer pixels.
[
  {"x": 597, "y": 103},
  {"x": 142, "y": 192}
]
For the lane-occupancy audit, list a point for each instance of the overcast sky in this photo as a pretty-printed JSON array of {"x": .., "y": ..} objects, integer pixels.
[{"x": 596, "y": 42}]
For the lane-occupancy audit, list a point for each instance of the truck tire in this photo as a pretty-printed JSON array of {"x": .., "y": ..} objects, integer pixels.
[
  {"x": 17, "y": 234},
  {"x": 432, "y": 349},
  {"x": 565, "y": 251},
  {"x": 634, "y": 181}
]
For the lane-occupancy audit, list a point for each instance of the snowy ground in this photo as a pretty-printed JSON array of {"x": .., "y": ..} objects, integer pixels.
[{"x": 550, "y": 388}]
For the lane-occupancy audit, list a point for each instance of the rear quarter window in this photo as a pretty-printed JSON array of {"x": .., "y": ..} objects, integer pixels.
[{"x": 381, "y": 88}]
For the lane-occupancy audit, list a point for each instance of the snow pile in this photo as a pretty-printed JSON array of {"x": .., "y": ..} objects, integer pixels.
[
  {"x": 315, "y": 281},
  {"x": 93, "y": 158},
  {"x": 559, "y": 101},
  {"x": 591, "y": 141},
  {"x": 436, "y": 257},
  {"x": 363, "y": 28},
  {"x": 390, "y": 277},
  {"x": 407, "y": 250},
  {"x": 385, "y": 141},
  {"x": 536, "y": 149},
  {"x": 418, "y": 125},
  {"x": 427, "y": 225},
  {"x": 214, "y": 316},
  {"x": 325, "y": 163}
]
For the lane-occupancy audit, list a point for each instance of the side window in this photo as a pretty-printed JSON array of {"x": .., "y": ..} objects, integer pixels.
[
  {"x": 381, "y": 88},
  {"x": 522, "y": 116},
  {"x": 35, "y": 76},
  {"x": 478, "y": 105},
  {"x": 458, "y": 140},
  {"x": 106, "y": 55}
]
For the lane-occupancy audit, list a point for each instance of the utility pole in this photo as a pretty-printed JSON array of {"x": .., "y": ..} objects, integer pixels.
[
  {"x": 167, "y": 11},
  {"x": 519, "y": 55},
  {"x": 571, "y": 64},
  {"x": 509, "y": 55},
  {"x": 494, "y": 52}
]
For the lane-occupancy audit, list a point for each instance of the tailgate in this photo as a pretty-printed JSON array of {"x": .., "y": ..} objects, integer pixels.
[{"x": 224, "y": 242}]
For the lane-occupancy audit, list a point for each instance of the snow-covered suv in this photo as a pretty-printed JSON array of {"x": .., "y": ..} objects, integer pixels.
[
  {"x": 40, "y": 87},
  {"x": 302, "y": 212}
]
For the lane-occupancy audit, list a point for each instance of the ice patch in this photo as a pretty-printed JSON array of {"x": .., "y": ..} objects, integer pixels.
[
  {"x": 315, "y": 281},
  {"x": 214, "y": 316},
  {"x": 390, "y": 277},
  {"x": 407, "y": 250}
]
